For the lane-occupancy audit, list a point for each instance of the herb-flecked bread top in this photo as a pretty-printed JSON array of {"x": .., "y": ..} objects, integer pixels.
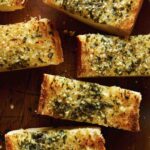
[
  {"x": 55, "y": 139},
  {"x": 28, "y": 45},
  {"x": 115, "y": 16},
  {"x": 101, "y": 55},
  {"x": 89, "y": 102}
]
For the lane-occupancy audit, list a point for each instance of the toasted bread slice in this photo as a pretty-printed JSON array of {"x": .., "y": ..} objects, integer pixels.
[
  {"x": 117, "y": 16},
  {"x": 12, "y": 5},
  {"x": 28, "y": 45},
  {"x": 55, "y": 138},
  {"x": 89, "y": 102},
  {"x": 101, "y": 55}
]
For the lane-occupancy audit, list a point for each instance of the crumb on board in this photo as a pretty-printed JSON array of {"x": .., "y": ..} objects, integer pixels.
[
  {"x": 12, "y": 106},
  {"x": 64, "y": 22},
  {"x": 70, "y": 33}
]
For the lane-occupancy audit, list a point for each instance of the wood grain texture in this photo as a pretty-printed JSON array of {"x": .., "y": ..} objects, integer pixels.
[{"x": 21, "y": 88}]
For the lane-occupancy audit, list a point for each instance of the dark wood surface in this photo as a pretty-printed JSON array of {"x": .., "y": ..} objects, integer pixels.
[{"x": 21, "y": 89}]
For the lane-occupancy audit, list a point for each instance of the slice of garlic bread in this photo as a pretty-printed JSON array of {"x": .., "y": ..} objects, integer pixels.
[
  {"x": 28, "y": 45},
  {"x": 12, "y": 5},
  {"x": 101, "y": 55},
  {"x": 89, "y": 102},
  {"x": 114, "y": 16},
  {"x": 55, "y": 139}
]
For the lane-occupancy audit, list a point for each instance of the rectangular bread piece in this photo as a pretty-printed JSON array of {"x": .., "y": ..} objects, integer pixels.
[
  {"x": 101, "y": 55},
  {"x": 55, "y": 139},
  {"x": 12, "y": 5},
  {"x": 89, "y": 102},
  {"x": 30, "y": 44},
  {"x": 117, "y": 16}
]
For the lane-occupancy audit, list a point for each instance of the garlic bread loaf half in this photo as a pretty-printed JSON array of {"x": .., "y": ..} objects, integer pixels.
[
  {"x": 107, "y": 56},
  {"x": 55, "y": 139},
  {"x": 12, "y": 5},
  {"x": 79, "y": 101},
  {"x": 113, "y": 16},
  {"x": 30, "y": 44}
]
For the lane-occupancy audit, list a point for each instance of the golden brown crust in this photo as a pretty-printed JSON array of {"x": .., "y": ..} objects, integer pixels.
[
  {"x": 55, "y": 39},
  {"x": 100, "y": 144},
  {"x": 97, "y": 144},
  {"x": 58, "y": 44},
  {"x": 82, "y": 71},
  {"x": 43, "y": 94},
  {"x": 130, "y": 121},
  {"x": 128, "y": 25},
  {"x": 9, "y": 143}
]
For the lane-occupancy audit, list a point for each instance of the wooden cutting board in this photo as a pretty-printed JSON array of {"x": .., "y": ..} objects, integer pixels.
[{"x": 19, "y": 90}]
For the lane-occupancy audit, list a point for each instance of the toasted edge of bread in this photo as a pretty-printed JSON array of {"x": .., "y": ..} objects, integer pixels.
[{"x": 58, "y": 44}]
